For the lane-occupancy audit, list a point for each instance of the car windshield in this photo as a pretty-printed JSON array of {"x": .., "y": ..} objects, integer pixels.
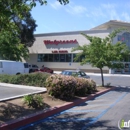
[
  {"x": 73, "y": 73},
  {"x": 81, "y": 73},
  {"x": 66, "y": 73}
]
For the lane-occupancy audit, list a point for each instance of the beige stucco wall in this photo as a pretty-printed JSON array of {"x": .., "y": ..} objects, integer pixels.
[{"x": 39, "y": 47}]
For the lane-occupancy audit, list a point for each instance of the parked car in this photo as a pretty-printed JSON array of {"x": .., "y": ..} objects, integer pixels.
[
  {"x": 46, "y": 69},
  {"x": 75, "y": 73},
  {"x": 33, "y": 68}
]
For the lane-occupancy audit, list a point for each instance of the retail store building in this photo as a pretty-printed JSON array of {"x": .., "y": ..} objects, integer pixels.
[{"x": 53, "y": 50}]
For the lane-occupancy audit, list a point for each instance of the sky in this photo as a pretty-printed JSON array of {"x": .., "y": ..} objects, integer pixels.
[{"x": 78, "y": 15}]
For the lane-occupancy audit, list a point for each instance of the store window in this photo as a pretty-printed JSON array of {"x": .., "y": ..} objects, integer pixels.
[
  {"x": 62, "y": 57},
  {"x": 56, "y": 58},
  {"x": 50, "y": 57},
  {"x": 42, "y": 57},
  {"x": 68, "y": 57}
]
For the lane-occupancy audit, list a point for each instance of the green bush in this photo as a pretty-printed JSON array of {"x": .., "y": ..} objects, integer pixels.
[
  {"x": 61, "y": 86},
  {"x": 34, "y": 101},
  {"x": 32, "y": 79},
  {"x": 5, "y": 78}
]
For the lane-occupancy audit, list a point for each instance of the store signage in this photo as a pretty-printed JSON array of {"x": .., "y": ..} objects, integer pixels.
[
  {"x": 61, "y": 51},
  {"x": 56, "y": 42}
]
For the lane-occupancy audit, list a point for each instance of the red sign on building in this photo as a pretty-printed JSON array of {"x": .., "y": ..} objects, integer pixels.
[{"x": 56, "y": 42}]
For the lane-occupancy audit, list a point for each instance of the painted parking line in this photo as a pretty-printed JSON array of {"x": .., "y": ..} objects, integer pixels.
[
  {"x": 90, "y": 120},
  {"x": 104, "y": 112}
]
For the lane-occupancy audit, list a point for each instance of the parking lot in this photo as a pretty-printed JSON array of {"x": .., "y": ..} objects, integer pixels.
[{"x": 101, "y": 113}]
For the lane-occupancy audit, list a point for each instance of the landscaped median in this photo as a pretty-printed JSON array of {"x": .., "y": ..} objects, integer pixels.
[
  {"x": 49, "y": 112},
  {"x": 63, "y": 92}
]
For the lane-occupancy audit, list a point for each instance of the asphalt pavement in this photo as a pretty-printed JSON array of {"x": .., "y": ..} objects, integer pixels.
[
  {"x": 11, "y": 91},
  {"x": 102, "y": 113},
  {"x": 105, "y": 112}
]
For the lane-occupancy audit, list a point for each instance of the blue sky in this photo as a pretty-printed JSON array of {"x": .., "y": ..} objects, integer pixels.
[{"x": 78, "y": 15}]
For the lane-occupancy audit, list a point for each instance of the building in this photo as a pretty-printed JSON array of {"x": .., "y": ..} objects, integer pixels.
[{"x": 53, "y": 50}]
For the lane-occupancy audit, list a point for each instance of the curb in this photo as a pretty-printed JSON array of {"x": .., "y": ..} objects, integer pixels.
[{"x": 14, "y": 124}]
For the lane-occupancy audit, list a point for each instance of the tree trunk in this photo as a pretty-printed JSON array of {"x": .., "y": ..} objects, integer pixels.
[{"x": 102, "y": 77}]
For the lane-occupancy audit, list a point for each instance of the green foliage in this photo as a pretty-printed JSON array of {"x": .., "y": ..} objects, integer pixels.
[
  {"x": 61, "y": 86},
  {"x": 11, "y": 49},
  {"x": 44, "y": 2},
  {"x": 33, "y": 79},
  {"x": 15, "y": 21},
  {"x": 101, "y": 52},
  {"x": 34, "y": 101},
  {"x": 84, "y": 86},
  {"x": 5, "y": 78},
  {"x": 17, "y": 27}
]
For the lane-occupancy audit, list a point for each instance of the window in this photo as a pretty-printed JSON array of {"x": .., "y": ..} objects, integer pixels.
[
  {"x": 51, "y": 59},
  {"x": 56, "y": 57},
  {"x": 26, "y": 65},
  {"x": 62, "y": 58},
  {"x": 1, "y": 65},
  {"x": 42, "y": 57},
  {"x": 82, "y": 73},
  {"x": 68, "y": 57}
]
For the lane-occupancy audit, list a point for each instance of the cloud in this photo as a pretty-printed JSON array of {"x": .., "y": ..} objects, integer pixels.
[
  {"x": 108, "y": 6},
  {"x": 126, "y": 16},
  {"x": 111, "y": 11},
  {"x": 56, "y": 5},
  {"x": 104, "y": 11},
  {"x": 76, "y": 9},
  {"x": 71, "y": 8}
]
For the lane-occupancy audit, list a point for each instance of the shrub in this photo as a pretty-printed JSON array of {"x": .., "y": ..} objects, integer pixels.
[
  {"x": 84, "y": 86},
  {"x": 34, "y": 101},
  {"x": 81, "y": 87},
  {"x": 92, "y": 86},
  {"x": 61, "y": 86},
  {"x": 5, "y": 78},
  {"x": 32, "y": 79}
]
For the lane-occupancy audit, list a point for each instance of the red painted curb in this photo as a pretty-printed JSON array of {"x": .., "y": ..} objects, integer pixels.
[{"x": 49, "y": 112}]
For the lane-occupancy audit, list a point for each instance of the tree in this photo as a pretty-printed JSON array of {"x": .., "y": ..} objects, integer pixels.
[
  {"x": 17, "y": 27},
  {"x": 101, "y": 52},
  {"x": 33, "y": 2}
]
